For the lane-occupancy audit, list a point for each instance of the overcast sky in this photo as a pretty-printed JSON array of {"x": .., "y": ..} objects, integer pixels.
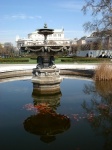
[{"x": 25, "y": 16}]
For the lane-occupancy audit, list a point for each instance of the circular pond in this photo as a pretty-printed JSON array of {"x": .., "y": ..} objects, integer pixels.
[{"x": 77, "y": 118}]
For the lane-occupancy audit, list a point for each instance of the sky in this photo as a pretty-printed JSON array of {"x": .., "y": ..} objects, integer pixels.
[{"x": 19, "y": 18}]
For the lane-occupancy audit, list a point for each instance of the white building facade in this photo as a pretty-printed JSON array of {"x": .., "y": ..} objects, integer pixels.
[{"x": 57, "y": 38}]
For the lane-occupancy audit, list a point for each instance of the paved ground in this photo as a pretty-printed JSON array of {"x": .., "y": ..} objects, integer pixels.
[{"x": 12, "y": 67}]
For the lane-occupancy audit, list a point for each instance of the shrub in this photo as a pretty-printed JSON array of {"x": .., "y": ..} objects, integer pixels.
[
  {"x": 2, "y": 60},
  {"x": 103, "y": 72},
  {"x": 90, "y": 59}
]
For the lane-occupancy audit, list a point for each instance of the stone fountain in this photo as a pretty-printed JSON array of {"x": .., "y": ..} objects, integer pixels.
[{"x": 46, "y": 77}]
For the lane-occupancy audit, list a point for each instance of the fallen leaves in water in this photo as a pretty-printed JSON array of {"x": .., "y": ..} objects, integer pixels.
[
  {"x": 45, "y": 108},
  {"x": 30, "y": 107},
  {"x": 88, "y": 116}
]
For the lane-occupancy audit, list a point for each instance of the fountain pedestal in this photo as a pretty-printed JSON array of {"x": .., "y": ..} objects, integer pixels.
[{"x": 46, "y": 81}]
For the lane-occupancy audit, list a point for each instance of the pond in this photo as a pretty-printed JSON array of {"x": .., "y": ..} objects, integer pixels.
[{"x": 78, "y": 118}]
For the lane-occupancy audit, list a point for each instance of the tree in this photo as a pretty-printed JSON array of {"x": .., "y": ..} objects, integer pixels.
[
  {"x": 1, "y": 49},
  {"x": 99, "y": 9},
  {"x": 9, "y": 48},
  {"x": 74, "y": 48}
]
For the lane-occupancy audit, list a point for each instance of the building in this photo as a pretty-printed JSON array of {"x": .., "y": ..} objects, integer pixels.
[
  {"x": 100, "y": 40},
  {"x": 97, "y": 44},
  {"x": 57, "y": 38}
]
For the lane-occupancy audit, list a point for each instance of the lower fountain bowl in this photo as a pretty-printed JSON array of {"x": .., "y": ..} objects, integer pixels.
[{"x": 47, "y": 81}]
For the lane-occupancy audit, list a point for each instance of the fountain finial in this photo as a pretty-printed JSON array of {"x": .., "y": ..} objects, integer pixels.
[{"x": 45, "y": 25}]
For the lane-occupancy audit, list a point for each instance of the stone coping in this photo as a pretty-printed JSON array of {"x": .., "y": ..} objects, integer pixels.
[
  {"x": 19, "y": 70},
  {"x": 30, "y": 77},
  {"x": 13, "y": 67}
]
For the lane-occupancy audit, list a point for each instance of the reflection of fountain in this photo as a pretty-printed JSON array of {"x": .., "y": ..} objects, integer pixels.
[
  {"x": 46, "y": 78},
  {"x": 52, "y": 100},
  {"x": 47, "y": 123},
  {"x": 100, "y": 109}
]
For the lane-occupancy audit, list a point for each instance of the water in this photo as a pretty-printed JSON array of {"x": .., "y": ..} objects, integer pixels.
[{"x": 79, "y": 118}]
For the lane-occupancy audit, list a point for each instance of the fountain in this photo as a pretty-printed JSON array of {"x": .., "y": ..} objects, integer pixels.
[{"x": 46, "y": 78}]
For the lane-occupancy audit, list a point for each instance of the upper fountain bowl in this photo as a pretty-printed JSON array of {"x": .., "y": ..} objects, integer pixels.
[{"x": 45, "y": 31}]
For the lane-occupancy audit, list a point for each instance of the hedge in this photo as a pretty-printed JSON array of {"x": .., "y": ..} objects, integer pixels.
[
  {"x": 14, "y": 60},
  {"x": 86, "y": 59},
  {"x": 83, "y": 59}
]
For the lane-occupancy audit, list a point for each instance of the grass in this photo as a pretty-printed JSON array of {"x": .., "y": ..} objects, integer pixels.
[{"x": 103, "y": 72}]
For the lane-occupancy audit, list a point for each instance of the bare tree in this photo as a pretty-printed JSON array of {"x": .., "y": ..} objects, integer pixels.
[
  {"x": 101, "y": 10},
  {"x": 1, "y": 49},
  {"x": 74, "y": 48},
  {"x": 9, "y": 48}
]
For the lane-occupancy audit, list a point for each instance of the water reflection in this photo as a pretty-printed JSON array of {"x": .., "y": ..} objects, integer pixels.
[
  {"x": 99, "y": 109},
  {"x": 47, "y": 123}
]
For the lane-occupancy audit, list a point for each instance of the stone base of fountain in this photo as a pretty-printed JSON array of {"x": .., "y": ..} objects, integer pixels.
[{"x": 46, "y": 81}]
